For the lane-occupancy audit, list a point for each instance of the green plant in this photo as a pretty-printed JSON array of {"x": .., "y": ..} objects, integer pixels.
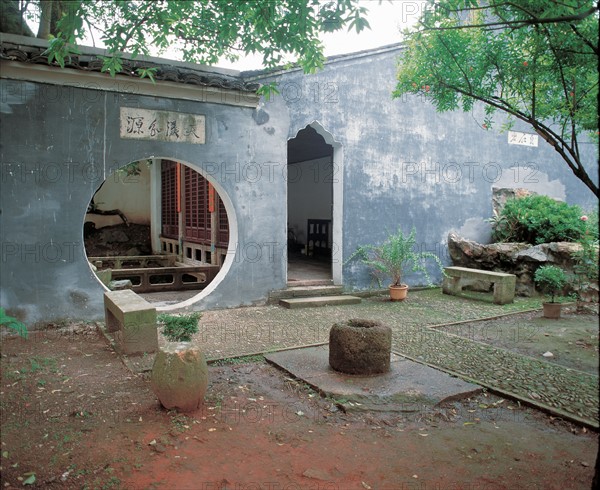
[
  {"x": 586, "y": 258},
  {"x": 12, "y": 323},
  {"x": 538, "y": 219},
  {"x": 532, "y": 62},
  {"x": 179, "y": 422},
  {"x": 396, "y": 255},
  {"x": 179, "y": 328},
  {"x": 238, "y": 360},
  {"x": 551, "y": 279},
  {"x": 591, "y": 222}
]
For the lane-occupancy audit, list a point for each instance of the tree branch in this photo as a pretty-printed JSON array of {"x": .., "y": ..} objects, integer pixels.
[
  {"x": 518, "y": 23},
  {"x": 584, "y": 39},
  {"x": 551, "y": 137}
]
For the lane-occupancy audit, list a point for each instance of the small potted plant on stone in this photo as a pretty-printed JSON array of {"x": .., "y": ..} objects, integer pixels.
[
  {"x": 551, "y": 280},
  {"x": 180, "y": 374},
  {"x": 395, "y": 256}
]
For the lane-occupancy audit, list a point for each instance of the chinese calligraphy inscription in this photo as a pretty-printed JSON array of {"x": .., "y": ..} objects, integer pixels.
[
  {"x": 525, "y": 139},
  {"x": 144, "y": 124}
]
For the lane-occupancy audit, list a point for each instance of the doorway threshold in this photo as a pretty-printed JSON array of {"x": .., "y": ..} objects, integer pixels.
[{"x": 309, "y": 282}]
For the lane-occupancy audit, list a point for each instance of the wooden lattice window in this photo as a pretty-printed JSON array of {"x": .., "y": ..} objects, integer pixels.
[
  {"x": 196, "y": 210},
  {"x": 196, "y": 216},
  {"x": 223, "y": 235},
  {"x": 170, "y": 217}
]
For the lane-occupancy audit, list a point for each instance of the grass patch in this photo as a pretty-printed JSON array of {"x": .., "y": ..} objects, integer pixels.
[
  {"x": 38, "y": 364},
  {"x": 237, "y": 360}
]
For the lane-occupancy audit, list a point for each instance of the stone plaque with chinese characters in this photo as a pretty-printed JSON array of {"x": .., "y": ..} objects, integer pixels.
[
  {"x": 525, "y": 139},
  {"x": 177, "y": 127}
]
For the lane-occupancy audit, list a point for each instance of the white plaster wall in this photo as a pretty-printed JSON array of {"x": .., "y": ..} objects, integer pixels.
[
  {"x": 310, "y": 193},
  {"x": 130, "y": 194}
]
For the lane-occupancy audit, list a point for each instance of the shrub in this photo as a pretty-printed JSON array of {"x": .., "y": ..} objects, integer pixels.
[
  {"x": 586, "y": 259},
  {"x": 539, "y": 219},
  {"x": 179, "y": 328},
  {"x": 591, "y": 220},
  {"x": 550, "y": 279},
  {"x": 13, "y": 324}
]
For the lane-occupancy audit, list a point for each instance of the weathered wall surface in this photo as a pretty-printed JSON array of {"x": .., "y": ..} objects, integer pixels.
[
  {"x": 406, "y": 165},
  {"x": 396, "y": 163},
  {"x": 57, "y": 150},
  {"x": 128, "y": 193}
]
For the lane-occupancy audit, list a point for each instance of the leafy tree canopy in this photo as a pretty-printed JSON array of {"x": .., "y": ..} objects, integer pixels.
[
  {"x": 535, "y": 60},
  {"x": 201, "y": 30}
]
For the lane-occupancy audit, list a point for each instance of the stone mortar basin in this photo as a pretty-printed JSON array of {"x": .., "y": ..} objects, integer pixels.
[{"x": 360, "y": 347}]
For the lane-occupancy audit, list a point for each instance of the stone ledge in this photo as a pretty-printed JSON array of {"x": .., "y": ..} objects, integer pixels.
[
  {"x": 132, "y": 321},
  {"x": 319, "y": 301}
]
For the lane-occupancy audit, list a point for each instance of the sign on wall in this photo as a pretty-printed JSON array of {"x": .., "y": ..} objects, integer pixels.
[
  {"x": 525, "y": 139},
  {"x": 177, "y": 127}
]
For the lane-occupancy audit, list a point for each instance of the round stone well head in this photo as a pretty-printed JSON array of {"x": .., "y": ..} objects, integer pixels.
[{"x": 360, "y": 347}]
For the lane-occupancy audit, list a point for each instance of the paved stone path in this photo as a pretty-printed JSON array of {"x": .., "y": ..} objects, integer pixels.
[
  {"x": 566, "y": 392},
  {"x": 562, "y": 390}
]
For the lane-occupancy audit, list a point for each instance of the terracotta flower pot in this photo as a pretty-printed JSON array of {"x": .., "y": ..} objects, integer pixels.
[
  {"x": 552, "y": 310},
  {"x": 398, "y": 293}
]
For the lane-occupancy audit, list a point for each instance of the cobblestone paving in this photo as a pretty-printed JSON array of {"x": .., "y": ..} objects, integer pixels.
[
  {"x": 240, "y": 331},
  {"x": 566, "y": 391}
]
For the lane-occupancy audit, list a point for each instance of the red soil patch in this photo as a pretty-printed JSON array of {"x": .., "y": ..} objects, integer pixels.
[{"x": 74, "y": 417}]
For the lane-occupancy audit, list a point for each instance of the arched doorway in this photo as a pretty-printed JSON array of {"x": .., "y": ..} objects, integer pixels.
[{"x": 314, "y": 207}]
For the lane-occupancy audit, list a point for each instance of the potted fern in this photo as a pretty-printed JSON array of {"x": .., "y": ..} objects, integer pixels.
[
  {"x": 550, "y": 279},
  {"x": 393, "y": 258}
]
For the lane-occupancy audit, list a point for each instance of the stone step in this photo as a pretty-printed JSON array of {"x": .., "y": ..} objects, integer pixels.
[
  {"x": 311, "y": 301},
  {"x": 309, "y": 282},
  {"x": 304, "y": 291}
]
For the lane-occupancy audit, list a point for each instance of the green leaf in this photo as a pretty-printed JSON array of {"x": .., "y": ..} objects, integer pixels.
[
  {"x": 179, "y": 328},
  {"x": 147, "y": 72},
  {"x": 30, "y": 480},
  {"x": 8, "y": 321},
  {"x": 507, "y": 56}
]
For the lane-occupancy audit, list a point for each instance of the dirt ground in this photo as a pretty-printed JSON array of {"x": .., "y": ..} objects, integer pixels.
[{"x": 74, "y": 417}]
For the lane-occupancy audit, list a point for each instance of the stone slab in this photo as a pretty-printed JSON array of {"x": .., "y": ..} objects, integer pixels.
[
  {"x": 408, "y": 386},
  {"x": 319, "y": 301},
  {"x": 132, "y": 320},
  {"x": 504, "y": 284},
  {"x": 305, "y": 291},
  {"x": 476, "y": 273}
]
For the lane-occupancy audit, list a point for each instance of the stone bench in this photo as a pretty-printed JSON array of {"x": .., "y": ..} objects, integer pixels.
[
  {"x": 504, "y": 284},
  {"x": 132, "y": 320}
]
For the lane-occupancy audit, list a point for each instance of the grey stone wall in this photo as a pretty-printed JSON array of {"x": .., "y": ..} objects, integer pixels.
[
  {"x": 406, "y": 165},
  {"x": 397, "y": 163},
  {"x": 60, "y": 143}
]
